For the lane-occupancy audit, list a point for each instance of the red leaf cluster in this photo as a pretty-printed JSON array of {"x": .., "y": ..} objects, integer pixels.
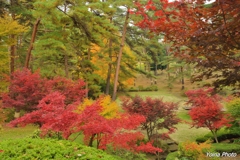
[
  {"x": 207, "y": 109},
  {"x": 27, "y": 89},
  {"x": 158, "y": 114}
]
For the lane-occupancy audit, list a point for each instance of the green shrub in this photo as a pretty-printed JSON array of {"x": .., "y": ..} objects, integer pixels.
[
  {"x": 151, "y": 88},
  {"x": 140, "y": 88},
  {"x": 237, "y": 141},
  {"x": 226, "y": 147},
  {"x": 222, "y": 134},
  {"x": 172, "y": 156},
  {"x": 50, "y": 135},
  {"x": 49, "y": 149},
  {"x": 233, "y": 107},
  {"x": 133, "y": 89}
]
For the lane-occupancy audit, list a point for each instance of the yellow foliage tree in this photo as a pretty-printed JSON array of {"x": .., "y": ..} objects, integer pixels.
[
  {"x": 8, "y": 27},
  {"x": 101, "y": 62},
  {"x": 110, "y": 109}
]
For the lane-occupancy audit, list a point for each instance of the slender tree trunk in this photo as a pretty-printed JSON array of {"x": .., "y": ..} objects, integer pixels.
[
  {"x": 12, "y": 54},
  {"x": 120, "y": 56},
  {"x": 90, "y": 144},
  {"x": 108, "y": 80},
  {"x": 65, "y": 53},
  {"x": 155, "y": 70},
  {"x": 182, "y": 78},
  {"x": 87, "y": 84},
  {"x": 168, "y": 68},
  {"x": 13, "y": 46},
  {"x": 34, "y": 33},
  {"x": 215, "y": 135},
  {"x": 66, "y": 65}
]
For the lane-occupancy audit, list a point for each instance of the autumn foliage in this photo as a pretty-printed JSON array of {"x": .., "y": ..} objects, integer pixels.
[
  {"x": 192, "y": 150},
  {"x": 27, "y": 89},
  {"x": 95, "y": 120},
  {"x": 209, "y": 34},
  {"x": 158, "y": 114},
  {"x": 207, "y": 111}
]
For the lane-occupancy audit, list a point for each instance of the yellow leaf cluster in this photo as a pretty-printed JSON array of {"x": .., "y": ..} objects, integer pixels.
[
  {"x": 109, "y": 109},
  {"x": 86, "y": 102},
  {"x": 103, "y": 62},
  {"x": 8, "y": 26},
  {"x": 129, "y": 82}
]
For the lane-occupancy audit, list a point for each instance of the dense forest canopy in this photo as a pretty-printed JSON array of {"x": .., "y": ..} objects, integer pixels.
[
  {"x": 105, "y": 42},
  {"x": 209, "y": 34}
]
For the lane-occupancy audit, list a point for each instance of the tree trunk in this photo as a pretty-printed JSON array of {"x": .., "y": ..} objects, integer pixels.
[
  {"x": 12, "y": 55},
  {"x": 66, "y": 65},
  {"x": 182, "y": 78},
  {"x": 87, "y": 83},
  {"x": 90, "y": 144},
  {"x": 13, "y": 46},
  {"x": 120, "y": 56},
  {"x": 31, "y": 43},
  {"x": 215, "y": 135},
  {"x": 155, "y": 70},
  {"x": 108, "y": 80}
]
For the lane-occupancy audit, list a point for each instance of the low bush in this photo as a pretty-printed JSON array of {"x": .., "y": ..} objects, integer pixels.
[
  {"x": 226, "y": 147},
  {"x": 193, "y": 151},
  {"x": 151, "y": 88},
  {"x": 23, "y": 149},
  {"x": 222, "y": 135},
  {"x": 133, "y": 89},
  {"x": 172, "y": 155}
]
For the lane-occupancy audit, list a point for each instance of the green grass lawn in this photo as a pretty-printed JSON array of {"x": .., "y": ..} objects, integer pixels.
[
  {"x": 167, "y": 96},
  {"x": 16, "y": 133},
  {"x": 184, "y": 132}
]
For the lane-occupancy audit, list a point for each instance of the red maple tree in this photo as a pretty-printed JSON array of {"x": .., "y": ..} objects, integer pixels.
[
  {"x": 158, "y": 114},
  {"x": 27, "y": 89},
  {"x": 207, "y": 111},
  {"x": 209, "y": 34}
]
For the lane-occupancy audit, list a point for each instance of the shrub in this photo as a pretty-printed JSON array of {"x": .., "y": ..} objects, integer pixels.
[
  {"x": 222, "y": 135},
  {"x": 49, "y": 149},
  {"x": 133, "y": 89},
  {"x": 151, "y": 88},
  {"x": 226, "y": 147},
  {"x": 140, "y": 88},
  {"x": 233, "y": 107},
  {"x": 193, "y": 151},
  {"x": 172, "y": 155}
]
